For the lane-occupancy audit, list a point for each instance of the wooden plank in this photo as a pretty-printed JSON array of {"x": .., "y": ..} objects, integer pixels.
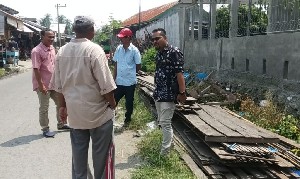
[
  {"x": 256, "y": 173},
  {"x": 147, "y": 91},
  {"x": 278, "y": 174},
  {"x": 148, "y": 79},
  {"x": 189, "y": 161},
  {"x": 251, "y": 133},
  {"x": 270, "y": 174},
  {"x": 250, "y": 157},
  {"x": 241, "y": 174},
  {"x": 219, "y": 150},
  {"x": 216, "y": 125},
  {"x": 282, "y": 162},
  {"x": 283, "y": 139},
  {"x": 202, "y": 126}
]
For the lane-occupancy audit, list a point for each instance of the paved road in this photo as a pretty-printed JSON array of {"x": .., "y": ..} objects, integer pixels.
[{"x": 26, "y": 154}]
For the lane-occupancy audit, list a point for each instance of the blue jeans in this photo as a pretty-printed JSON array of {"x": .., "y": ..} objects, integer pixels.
[{"x": 128, "y": 92}]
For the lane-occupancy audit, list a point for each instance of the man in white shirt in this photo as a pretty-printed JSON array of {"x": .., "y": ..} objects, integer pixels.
[{"x": 86, "y": 94}]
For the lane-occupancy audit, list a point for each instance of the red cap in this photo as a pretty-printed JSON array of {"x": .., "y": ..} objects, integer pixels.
[{"x": 125, "y": 32}]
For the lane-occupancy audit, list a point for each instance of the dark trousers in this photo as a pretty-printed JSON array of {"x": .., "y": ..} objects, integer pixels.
[
  {"x": 128, "y": 92},
  {"x": 102, "y": 151}
]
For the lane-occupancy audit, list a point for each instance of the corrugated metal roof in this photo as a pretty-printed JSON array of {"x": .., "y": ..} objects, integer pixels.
[
  {"x": 148, "y": 15},
  {"x": 8, "y": 9}
]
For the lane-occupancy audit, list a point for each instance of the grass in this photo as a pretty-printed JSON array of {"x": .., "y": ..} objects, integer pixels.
[
  {"x": 2, "y": 72},
  {"x": 141, "y": 114},
  {"x": 154, "y": 166}
]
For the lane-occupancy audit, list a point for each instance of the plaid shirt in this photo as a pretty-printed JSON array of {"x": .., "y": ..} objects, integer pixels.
[{"x": 169, "y": 62}]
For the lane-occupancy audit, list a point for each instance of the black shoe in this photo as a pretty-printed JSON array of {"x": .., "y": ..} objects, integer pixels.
[{"x": 64, "y": 127}]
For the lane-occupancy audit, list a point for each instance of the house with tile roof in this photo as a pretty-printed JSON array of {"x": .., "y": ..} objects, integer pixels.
[
  {"x": 146, "y": 17},
  {"x": 170, "y": 16}
]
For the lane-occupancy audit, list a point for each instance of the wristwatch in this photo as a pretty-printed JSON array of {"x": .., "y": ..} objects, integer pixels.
[{"x": 182, "y": 93}]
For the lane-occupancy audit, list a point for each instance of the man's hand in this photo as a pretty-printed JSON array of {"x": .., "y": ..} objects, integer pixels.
[
  {"x": 181, "y": 98},
  {"x": 63, "y": 114},
  {"x": 43, "y": 89}
]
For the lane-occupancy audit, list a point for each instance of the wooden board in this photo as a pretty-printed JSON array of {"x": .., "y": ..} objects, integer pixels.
[
  {"x": 240, "y": 125},
  {"x": 232, "y": 129},
  {"x": 205, "y": 129}
]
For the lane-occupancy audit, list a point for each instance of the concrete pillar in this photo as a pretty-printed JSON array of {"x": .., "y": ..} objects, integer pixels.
[
  {"x": 200, "y": 19},
  {"x": 296, "y": 14},
  {"x": 275, "y": 15},
  {"x": 249, "y": 17},
  {"x": 270, "y": 16},
  {"x": 213, "y": 19},
  {"x": 186, "y": 22},
  {"x": 182, "y": 27},
  {"x": 233, "y": 29},
  {"x": 192, "y": 22},
  {"x": 280, "y": 16}
]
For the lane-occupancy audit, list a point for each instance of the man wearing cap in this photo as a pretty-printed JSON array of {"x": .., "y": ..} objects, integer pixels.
[
  {"x": 85, "y": 85},
  {"x": 127, "y": 60}
]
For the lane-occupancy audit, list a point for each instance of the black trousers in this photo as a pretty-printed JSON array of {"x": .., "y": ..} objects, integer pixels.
[{"x": 128, "y": 92}]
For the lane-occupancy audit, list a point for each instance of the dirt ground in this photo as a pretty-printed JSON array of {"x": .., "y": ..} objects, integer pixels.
[
  {"x": 126, "y": 154},
  {"x": 126, "y": 157}
]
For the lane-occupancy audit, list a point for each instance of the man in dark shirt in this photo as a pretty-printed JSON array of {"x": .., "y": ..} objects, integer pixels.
[{"x": 169, "y": 82}]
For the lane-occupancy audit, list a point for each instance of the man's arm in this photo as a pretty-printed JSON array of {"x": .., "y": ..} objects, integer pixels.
[
  {"x": 63, "y": 114},
  {"x": 38, "y": 77},
  {"x": 138, "y": 67},
  {"x": 115, "y": 71},
  {"x": 181, "y": 97}
]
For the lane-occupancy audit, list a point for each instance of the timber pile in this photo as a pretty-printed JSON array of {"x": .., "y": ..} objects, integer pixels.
[{"x": 224, "y": 145}]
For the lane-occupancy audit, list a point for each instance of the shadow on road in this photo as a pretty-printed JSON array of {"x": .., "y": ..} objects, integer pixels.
[
  {"x": 133, "y": 162},
  {"x": 21, "y": 140}
]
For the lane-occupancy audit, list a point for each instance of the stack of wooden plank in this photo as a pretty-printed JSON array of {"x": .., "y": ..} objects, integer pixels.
[{"x": 225, "y": 144}]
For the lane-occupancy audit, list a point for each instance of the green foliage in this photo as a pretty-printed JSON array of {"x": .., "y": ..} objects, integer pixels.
[
  {"x": 157, "y": 166},
  {"x": 104, "y": 34},
  {"x": 2, "y": 72},
  {"x": 269, "y": 117},
  {"x": 46, "y": 21},
  {"x": 148, "y": 62},
  {"x": 258, "y": 24},
  {"x": 63, "y": 20},
  {"x": 289, "y": 127},
  {"x": 141, "y": 114}
]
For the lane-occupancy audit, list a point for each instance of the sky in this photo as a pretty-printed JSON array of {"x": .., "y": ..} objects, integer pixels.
[{"x": 99, "y": 10}]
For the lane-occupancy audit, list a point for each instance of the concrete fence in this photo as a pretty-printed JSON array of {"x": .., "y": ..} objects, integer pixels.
[{"x": 276, "y": 55}]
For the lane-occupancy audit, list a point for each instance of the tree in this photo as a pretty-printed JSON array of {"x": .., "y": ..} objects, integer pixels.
[
  {"x": 64, "y": 20},
  {"x": 46, "y": 21},
  {"x": 104, "y": 34},
  {"x": 258, "y": 23}
]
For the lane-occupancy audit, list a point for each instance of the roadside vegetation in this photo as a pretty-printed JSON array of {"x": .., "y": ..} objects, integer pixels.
[
  {"x": 2, "y": 72},
  {"x": 272, "y": 118},
  {"x": 154, "y": 166}
]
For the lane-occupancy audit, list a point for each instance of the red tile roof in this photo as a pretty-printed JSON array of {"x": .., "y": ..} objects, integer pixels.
[{"x": 148, "y": 15}]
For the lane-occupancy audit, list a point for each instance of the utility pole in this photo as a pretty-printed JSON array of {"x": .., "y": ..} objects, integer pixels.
[
  {"x": 58, "y": 33},
  {"x": 139, "y": 14}
]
